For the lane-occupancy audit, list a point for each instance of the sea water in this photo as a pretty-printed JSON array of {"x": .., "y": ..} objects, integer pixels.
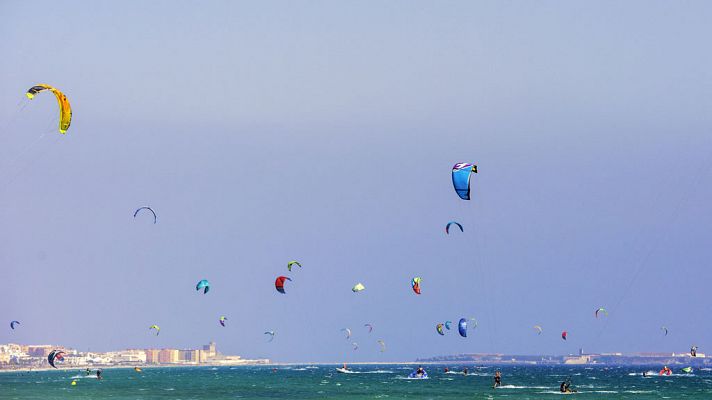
[{"x": 366, "y": 382}]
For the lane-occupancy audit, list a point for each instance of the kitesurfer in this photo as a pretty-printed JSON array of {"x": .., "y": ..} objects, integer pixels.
[
  {"x": 645, "y": 373},
  {"x": 464, "y": 371},
  {"x": 88, "y": 371},
  {"x": 497, "y": 379},
  {"x": 447, "y": 370},
  {"x": 665, "y": 371},
  {"x": 693, "y": 351},
  {"x": 98, "y": 374},
  {"x": 565, "y": 386}
]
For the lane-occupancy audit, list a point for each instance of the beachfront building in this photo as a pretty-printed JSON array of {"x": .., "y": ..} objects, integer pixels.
[{"x": 168, "y": 356}]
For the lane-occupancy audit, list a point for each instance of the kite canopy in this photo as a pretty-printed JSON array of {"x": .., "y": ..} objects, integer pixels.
[
  {"x": 155, "y": 218},
  {"x": 370, "y": 327},
  {"x": 289, "y": 265},
  {"x": 13, "y": 323},
  {"x": 65, "y": 110},
  {"x": 355, "y": 345},
  {"x": 271, "y": 335},
  {"x": 222, "y": 320},
  {"x": 538, "y": 329},
  {"x": 687, "y": 370},
  {"x": 415, "y": 284},
  {"x": 447, "y": 324},
  {"x": 156, "y": 327},
  {"x": 55, "y": 355},
  {"x": 664, "y": 329},
  {"x": 203, "y": 284},
  {"x": 348, "y": 332},
  {"x": 564, "y": 334},
  {"x": 439, "y": 328},
  {"x": 279, "y": 283},
  {"x": 461, "y": 179},
  {"x": 447, "y": 227},
  {"x": 601, "y": 310},
  {"x": 383, "y": 345},
  {"x": 462, "y": 327},
  {"x": 358, "y": 287}
]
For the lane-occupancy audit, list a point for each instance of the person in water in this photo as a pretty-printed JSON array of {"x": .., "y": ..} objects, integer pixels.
[
  {"x": 447, "y": 370},
  {"x": 464, "y": 371},
  {"x": 420, "y": 372},
  {"x": 497, "y": 379},
  {"x": 98, "y": 374},
  {"x": 565, "y": 386}
]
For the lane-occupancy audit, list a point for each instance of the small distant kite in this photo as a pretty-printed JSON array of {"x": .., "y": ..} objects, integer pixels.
[
  {"x": 355, "y": 345},
  {"x": 279, "y": 283},
  {"x": 439, "y": 328},
  {"x": 369, "y": 326},
  {"x": 462, "y": 327},
  {"x": 601, "y": 310},
  {"x": 461, "y": 179},
  {"x": 348, "y": 332},
  {"x": 55, "y": 355},
  {"x": 564, "y": 335},
  {"x": 222, "y": 320},
  {"x": 447, "y": 324},
  {"x": 447, "y": 227},
  {"x": 664, "y": 329},
  {"x": 155, "y": 218},
  {"x": 358, "y": 287},
  {"x": 289, "y": 265},
  {"x": 383, "y": 345},
  {"x": 65, "y": 110},
  {"x": 13, "y": 323},
  {"x": 203, "y": 284},
  {"x": 156, "y": 327},
  {"x": 415, "y": 284},
  {"x": 271, "y": 335},
  {"x": 538, "y": 329}
]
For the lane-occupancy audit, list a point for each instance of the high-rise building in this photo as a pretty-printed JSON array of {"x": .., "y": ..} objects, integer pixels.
[
  {"x": 168, "y": 356},
  {"x": 189, "y": 356},
  {"x": 210, "y": 349},
  {"x": 152, "y": 356}
]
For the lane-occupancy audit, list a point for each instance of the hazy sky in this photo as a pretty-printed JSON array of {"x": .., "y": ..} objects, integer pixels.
[{"x": 325, "y": 132}]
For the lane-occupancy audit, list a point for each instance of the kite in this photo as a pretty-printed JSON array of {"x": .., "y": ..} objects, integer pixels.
[
  {"x": 279, "y": 283},
  {"x": 439, "y": 328},
  {"x": 155, "y": 218},
  {"x": 203, "y": 284},
  {"x": 156, "y": 327},
  {"x": 271, "y": 333},
  {"x": 564, "y": 334},
  {"x": 13, "y": 323},
  {"x": 348, "y": 332},
  {"x": 447, "y": 324},
  {"x": 538, "y": 329},
  {"x": 355, "y": 345},
  {"x": 461, "y": 179},
  {"x": 222, "y": 320},
  {"x": 289, "y": 265},
  {"x": 462, "y": 327},
  {"x": 383, "y": 345},
  {"x": 55, "y": 355},
  {"x": 370, "y": 327},
  {"x": 603, "y": 310},
  {"x": 65, "y": 110},
  {"x": 447, "y": 227},
  {"x": 664, "y": 329},
  {"x": 137, "y": 369},
  {"x": 415, "y": 283},
  {"x": 358, "y": 287}
]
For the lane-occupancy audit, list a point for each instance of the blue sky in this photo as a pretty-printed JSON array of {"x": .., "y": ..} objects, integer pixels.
[{"x": 262, "y": 132}]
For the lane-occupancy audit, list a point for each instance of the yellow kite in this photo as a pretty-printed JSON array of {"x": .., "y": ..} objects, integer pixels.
[{"x": 65, "y": 110}]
